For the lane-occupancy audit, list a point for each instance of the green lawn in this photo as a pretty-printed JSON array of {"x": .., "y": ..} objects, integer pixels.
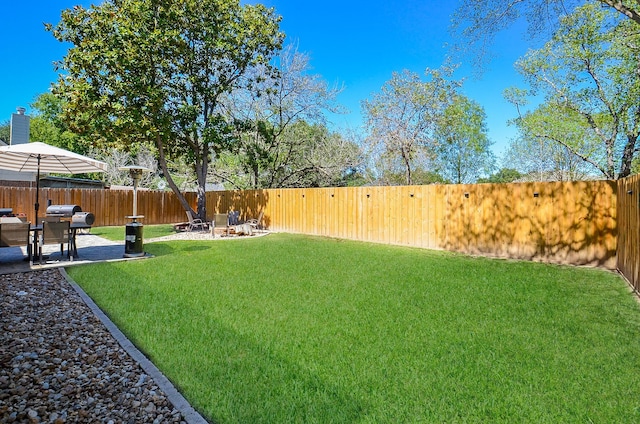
[{"x": 289, "y": 328}]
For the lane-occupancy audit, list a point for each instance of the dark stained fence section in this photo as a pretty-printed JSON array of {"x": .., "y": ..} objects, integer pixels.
[
  {"x": 110, "y": 207},
  {"x": 629, "y": 229}
]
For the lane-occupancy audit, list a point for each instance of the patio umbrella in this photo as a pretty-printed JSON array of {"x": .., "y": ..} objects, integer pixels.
[{"x": 40, "y": 157}]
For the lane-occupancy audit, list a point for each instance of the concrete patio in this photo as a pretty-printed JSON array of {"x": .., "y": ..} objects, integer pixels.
[{"x": 91, "y": 249}]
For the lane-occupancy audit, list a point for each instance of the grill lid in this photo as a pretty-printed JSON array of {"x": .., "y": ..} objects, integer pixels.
[{"x": 64, "y": 210}]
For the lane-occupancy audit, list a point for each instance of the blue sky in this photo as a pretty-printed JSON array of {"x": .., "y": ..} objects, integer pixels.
[{"x": 355, "y": 44}]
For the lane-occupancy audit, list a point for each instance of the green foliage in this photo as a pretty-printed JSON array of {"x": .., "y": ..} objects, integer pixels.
[
  {"x": 504, "y": 175},
  {"x": 419, "y": 176},
  {"x": 156, "y": 71},
  {"x": 289, "y": 328},
  {"x": 477, "y": 22},
  {"x": 588, "y": 75},
  {"x": 635, "y": 166},
  {"x": 5, "y": 131},
  {"x": 356, "y": 177},
  {"x": 463, "y": 147},
  {"x": 282, "y": 139},
  {"x": 541, "y": 159},
  {"x": 401, "y": 119},
  {"x": 300, "y": 155},
  {"x": 48, "y": 126}
]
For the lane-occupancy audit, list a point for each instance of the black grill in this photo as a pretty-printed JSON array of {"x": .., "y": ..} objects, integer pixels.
[
  {"x": 66, "y": 211},
  {"x": 6, "y": 212}
]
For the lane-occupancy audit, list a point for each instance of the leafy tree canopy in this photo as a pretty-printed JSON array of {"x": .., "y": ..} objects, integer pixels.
[
  {"x": 588, "y": 75},
  {"x": 5, "y": 131},
  {"x": 48, "y": 126},
  {"x": 156, "y": 71},
  {"x": 420, "y": 177},
  {"x": 477, "y": 22},
  {"x": 303, "y": 155},
  {"x": 463, "y": 147},
  {"x": 282, "y": 139},
  {"x": 504, "y": 175},
  {"x": 401, "y": 119}
]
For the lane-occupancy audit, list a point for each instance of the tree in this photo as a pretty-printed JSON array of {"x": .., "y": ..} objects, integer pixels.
[
  {"x": 283, "y": 140},
  {"x": 477, "y": 22},
  {"x": 156, "y": 71},
  {"x": 463, "y": 147},
  {"x": 117, "y": 158},
  {"x": 5, "y": 131},
  {"x": 420, "y": 176},
  {"x": 504, "y": 175},
  {"x": 590, "y": 80},
  {"x": 48, "y": 125},
  {"x": 304, "y": 155},
  {"x": 539, "y": 159},
  {"x": 401, "y": 119}
]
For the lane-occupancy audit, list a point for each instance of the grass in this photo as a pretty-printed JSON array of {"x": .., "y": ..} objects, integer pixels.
[
  {"x": 290, "y": 328},
  {"x": 117, "y": 233}
]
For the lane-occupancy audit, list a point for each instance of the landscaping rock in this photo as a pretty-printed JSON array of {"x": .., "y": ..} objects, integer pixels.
[{"x": 59, "y": 364}]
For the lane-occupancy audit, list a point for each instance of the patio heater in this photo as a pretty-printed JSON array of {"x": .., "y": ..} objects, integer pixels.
[{"x": 133, "y": 246}]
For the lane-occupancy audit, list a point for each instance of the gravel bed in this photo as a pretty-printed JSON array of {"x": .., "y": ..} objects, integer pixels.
[
  {"x": 59, "y": 363},
  {"x": 205, "y": 235}
]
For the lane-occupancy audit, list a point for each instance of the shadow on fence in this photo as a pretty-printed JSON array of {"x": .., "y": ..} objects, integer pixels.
[{"x": 572, "y": 223}]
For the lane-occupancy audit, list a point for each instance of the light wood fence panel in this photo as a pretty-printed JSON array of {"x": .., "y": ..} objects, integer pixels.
[{"x": 568, "y": 222}]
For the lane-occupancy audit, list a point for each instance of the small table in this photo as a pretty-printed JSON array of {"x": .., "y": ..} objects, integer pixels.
[
  {"x": 33, "y": 248},
  {"x": 73, "y": 230}
]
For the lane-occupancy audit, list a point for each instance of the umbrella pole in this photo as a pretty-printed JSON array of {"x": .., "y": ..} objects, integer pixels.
[{"x": 37, "y": 205}]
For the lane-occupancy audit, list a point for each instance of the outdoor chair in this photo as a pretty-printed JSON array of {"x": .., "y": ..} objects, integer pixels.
[
  {"x": 14, "y": 234},
  {"x": 234, "y": 218},
  {"x": 196, "y": 223},
  {"x": 56, "y": 233},
  {"x": 256, "y": 223},
  {"x": 11, "y": 220},
  {"x": 221, "y": 221}
]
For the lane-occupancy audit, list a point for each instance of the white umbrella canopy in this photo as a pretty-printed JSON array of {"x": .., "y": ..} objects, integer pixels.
[{"x": 40, "y": 157}]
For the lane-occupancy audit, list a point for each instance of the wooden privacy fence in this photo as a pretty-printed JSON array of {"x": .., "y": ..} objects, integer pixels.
[
  {"x": 570, "y": 222},
  {"x": 628, "y": 212},
  {"x": 109, "y": 206},
  {"x": 561, "y": 222}
]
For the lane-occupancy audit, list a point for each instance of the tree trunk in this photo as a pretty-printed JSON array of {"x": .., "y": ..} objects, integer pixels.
[
  {"x": 165, "y": 170},
  {"x": 627, "y": 156},
  {"x": 407, "y": 165},
  {"x": 201, "y": 190},
  {"x": 625, "y": 10}
]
